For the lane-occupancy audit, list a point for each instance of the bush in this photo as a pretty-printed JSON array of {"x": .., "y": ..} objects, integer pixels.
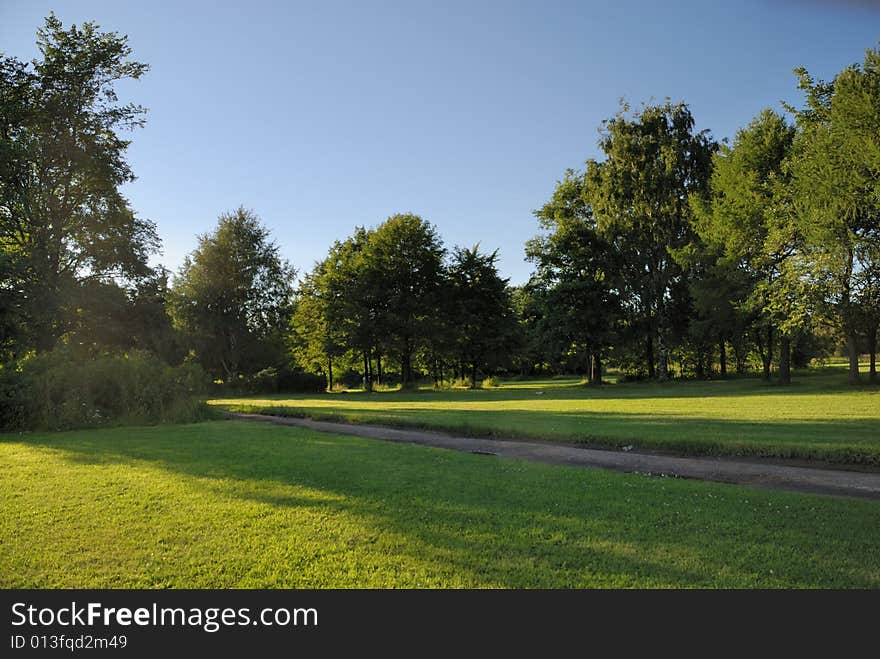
[
  {"x": 15, "y": 398},
  {"x": 490, "y": 382},
  {"x": 62, "y": 392},
  {"x": 454, "y": 383},
  {"x": 263, "y": 382},
  {"x": 272, "y": 381},
  {"x": 301, "y": 382}
]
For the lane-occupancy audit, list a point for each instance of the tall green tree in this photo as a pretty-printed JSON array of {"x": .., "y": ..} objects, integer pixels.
[
  {"x": 748, "y": 219},
  {"x": 316, "y": 334},
  {"x": 63, "y": 217},
  {"x": 577, "y": 273},
  {"x": 868, "y": 304},
  {"x": 654, "y": 159},
  {"x": 719, "y": 288},
  {"x": 233, "y": 296},
  {"x": 355, "y": 299},
  {"x": 837, "y": 187},
  {"x": 482, "y": 310},
  {"x": 533, "y": 352},
  {"x": 407, "y": 255},
  {"x": 377, "y": 294}
]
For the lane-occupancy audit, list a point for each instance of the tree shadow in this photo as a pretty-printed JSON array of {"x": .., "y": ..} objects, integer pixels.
[
  {"x": 830, "y": 384},
  {"x": 502, "y": 524}
]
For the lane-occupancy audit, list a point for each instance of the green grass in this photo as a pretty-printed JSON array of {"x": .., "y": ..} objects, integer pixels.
[
  {"x": 235, "y": 504},
  {"x": 819, "y": 417}
]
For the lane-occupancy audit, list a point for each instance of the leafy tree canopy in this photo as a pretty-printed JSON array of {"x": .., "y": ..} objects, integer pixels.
[{"x": 63, "y": 218}]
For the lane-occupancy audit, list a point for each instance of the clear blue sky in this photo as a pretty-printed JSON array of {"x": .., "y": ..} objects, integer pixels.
[{"x": 323, "y": 116}]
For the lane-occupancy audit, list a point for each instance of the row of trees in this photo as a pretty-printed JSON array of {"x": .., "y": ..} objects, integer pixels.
[
  {"x": 74, "y": 256},
  {"x": 391, "y": 293},
  {"x": 671, "y": 248},
  {"x": 673, "y": 240}
]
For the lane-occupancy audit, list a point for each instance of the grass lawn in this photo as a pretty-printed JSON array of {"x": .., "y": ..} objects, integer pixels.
[
  {"x": 819, "y": 417},
  {"x": 236, "y": 504}
]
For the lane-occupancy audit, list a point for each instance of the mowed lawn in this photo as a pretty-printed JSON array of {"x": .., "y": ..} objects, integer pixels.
[
  {"x": 819, "y": 417},
  {"x": 238, "y": 504}
]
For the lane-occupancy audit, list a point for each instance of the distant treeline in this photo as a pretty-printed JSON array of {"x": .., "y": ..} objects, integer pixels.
[
  {"x": 671, "y": 250},
  {"x": 672, "y": 255}
]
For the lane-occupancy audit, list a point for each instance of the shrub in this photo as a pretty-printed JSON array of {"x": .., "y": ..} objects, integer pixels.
[
  {"x": 263, "y": 382},
  {"x": 66, "y": 392},
  {"x": 453, "y": 383},
  {"x": 490, "y": 382},
  {"x": 15, "y": 398},
  {"x": 301, "y": 382},
  {"x": 272, "y": 381}
]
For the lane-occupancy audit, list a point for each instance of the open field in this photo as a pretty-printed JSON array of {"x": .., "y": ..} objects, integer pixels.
[
  {"x": 233, "y": 504},
  {"x": 819, "y": 417}
]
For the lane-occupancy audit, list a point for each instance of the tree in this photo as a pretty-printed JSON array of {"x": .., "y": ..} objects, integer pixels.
[
  {"x": 63, "y": 218},
  {"x": 576, "y": 273},
  {"x": 233, "y": 295},
  {"x": 533, "y": 349},
  {"x": 377, "y": 293},
  {"x": 481, "y": 308},
  {"x": 348, "y": 288},
  {"x": 405, "y": 256},
  {"x": 867, "y": 299},
  {"x": 639, "y": 194},
  {"x": 748, "y": 219},
  {"x": 719, "y": 289},
  {"x": 837, "y": 188},
  {"x": 316, "y": 338},
  {"x": 150, "y": 325}
]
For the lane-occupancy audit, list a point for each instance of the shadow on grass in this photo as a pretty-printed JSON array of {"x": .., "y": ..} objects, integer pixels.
[
  {"x": 830, "y": 384},
  {"x": 504, "y": 523}
]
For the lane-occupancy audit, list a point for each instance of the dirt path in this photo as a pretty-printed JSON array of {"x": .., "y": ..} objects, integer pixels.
[{"x": 725, "y": 470}]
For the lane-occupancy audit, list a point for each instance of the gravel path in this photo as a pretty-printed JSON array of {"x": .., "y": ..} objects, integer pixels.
[{"x": 721, "y": 469}]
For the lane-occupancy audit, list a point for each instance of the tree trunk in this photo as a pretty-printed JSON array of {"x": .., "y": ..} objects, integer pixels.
[
  {"x": 852, "y": 348},
  {"x": 649, "y": 356},
  {"x": 368, "y": 382},
  {"x": 596, "y": 370},
  {"x": 473, "y": 375},
  {"x": 740, "y": 354},
  {"x": 848, "y": 310},
  {"x": 663, "y": 359},
  {"x": 767, "y": 354},
  {"x": 406, "y": 370},
  {"x": 379, "y": 367},
  {"x": 784, "y": 359},
  {"x": 722, "y": 357},
  {"x": 872, "y": 351},
  {"x": 329, "y": 373}
]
